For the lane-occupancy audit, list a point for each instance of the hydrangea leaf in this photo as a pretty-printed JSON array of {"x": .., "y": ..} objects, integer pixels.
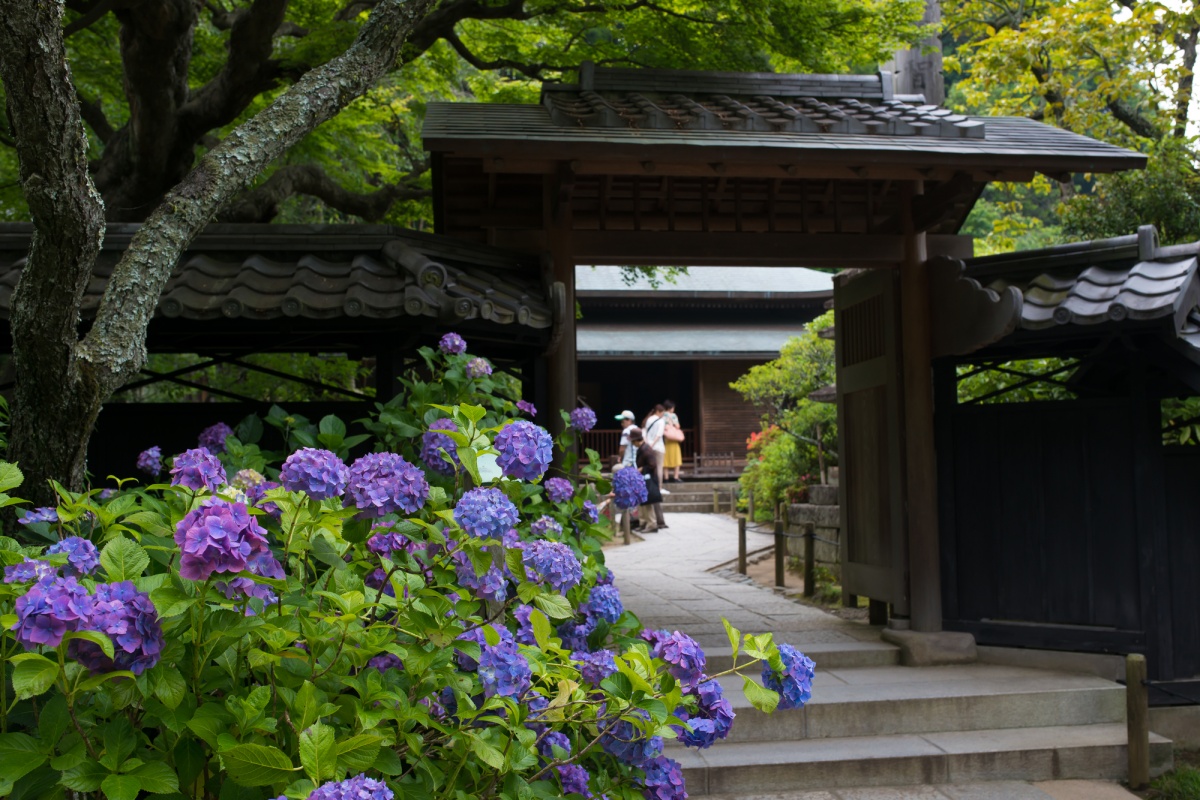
[
  {"x": 541, "y": 628},
  {"x": 257, "y": 765},
  {"x": 20, "y": 754},
  {"x": 123, "y": 559},
  {"x": 487, "y": 754},
  {"x": 358, "y": 753},
  {"x": 171, "y": 688},
  {"x": 156, "y": 778},
  {"x": 121, "y": 787},
  {"x": 53, "y": 720},
  {"x": 10, "y": 476},
  {"x": 95, "y": 681},
  {"x": 33, "y": 675},
  {"x": 470, "y": 462},
  {"x": 318, "y": 752},
  {"x": 473, "y": 413},
  {"x": 87, "y": 777},
  {"x": 735, "y": 637},
  {"x": 95, "y": 637},
  {"x": 171, "y": 602},
  {"x": 209, "y": 721},
  {"x": 332, "y": 426},
  {"x": 761, "y": 698},
  {"x": 555, "y": 606},
  {"x": 189, "y": 760}
]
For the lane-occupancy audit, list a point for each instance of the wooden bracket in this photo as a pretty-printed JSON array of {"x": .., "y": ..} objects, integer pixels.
[{"x": 965, "y": 315}]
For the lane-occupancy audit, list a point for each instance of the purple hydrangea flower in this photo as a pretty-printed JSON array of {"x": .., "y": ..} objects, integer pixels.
[
  {"x": 44, "y": 514},
  {"x": 712, "y": 721},
  {"x": 524, "y": 633},
  {"x": 452, "y": 344},
  {"x": 604, "y": 576},
  {"x": 262, "y": 563},
  {"x": 478, "y": 368},
  {"x": 559, "y": 490},
  {"x": 82, "y": 556},
  {"x": 591, "y": 512},
  {"x": 491, "y": 585},
  {"x": 360, "y": 787},
  {"x": 552, "y": 563},
  {"x": 486, "y": 513},
  {"x": 433, "y": 443},
  {"x": 383, "y": 483},
  {"x": 544, "y": 526},
  {"x": 525, "y": 450},
  {"x": 574, "y": 779},
  {"x": 503, "y": 670},
  {"x": 127, "y": 617},
  {"x": 108, "y": 494},
  {"x": 31, "y": 570},
  {"x": 526, "y": 407},
  {"x": 664, "y": 779},
  {"x": 318, "y": 473},
  {"x": 197, "y": 469},
  {"x": 378, "y": 580},
  {"x": 477, "y": 635},
  {"x": 595, "y": 667},
  {"x": 50, "y": 609},
  {"x": 583, "y": 419},
  {"x": 552, "y": 740},
  {"x": 629, "y": 488},
  {"x": 605, "y": 603},
  {"x": 574, "y": 633},
  {"x": 685, "y": 658},
  {"x": 256, "y": 495},
  {"x": 212, "y": 438},
  {"x": 149, "y": 461},
  {"x": 220, "y": 536},
  {"x": 794, "y": 683},
  {"x": 388, "y": 541},
  {"x": 385, "y": 661},
  {"x": 630, "y": 744}
]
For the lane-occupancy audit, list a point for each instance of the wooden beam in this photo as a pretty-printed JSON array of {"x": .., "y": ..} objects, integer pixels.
[{"x": 746, "y": 249}]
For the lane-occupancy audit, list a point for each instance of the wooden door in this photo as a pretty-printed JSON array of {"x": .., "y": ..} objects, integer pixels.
[{"x": 870, "y": 453}]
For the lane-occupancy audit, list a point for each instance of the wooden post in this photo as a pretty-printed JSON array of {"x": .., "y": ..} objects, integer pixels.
[
  {"x": 626, "y": 525},
  {"x": 562, "y": 375},
  {"x": 780, "y": 553},
  {"x": 810, "y": 562},
  {"x": 742, "y": 545},
  {"x": 716, "y": 501},
  {"x": 877, "y": 612},
  {"x": 1137, "y": 715},
  {"x": 733, "y": 498},
  {"x": 924, "y": 557}
]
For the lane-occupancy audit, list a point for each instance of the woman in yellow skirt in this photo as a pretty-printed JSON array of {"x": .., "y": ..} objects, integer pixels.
[{"x": 673, "y": 457}]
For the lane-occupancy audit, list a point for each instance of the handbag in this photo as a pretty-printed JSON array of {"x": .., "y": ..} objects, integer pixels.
[{"x": 673, "y": 433}]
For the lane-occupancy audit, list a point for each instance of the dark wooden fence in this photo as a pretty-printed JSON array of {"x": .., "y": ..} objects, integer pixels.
[{"x": 607, "y": 442}]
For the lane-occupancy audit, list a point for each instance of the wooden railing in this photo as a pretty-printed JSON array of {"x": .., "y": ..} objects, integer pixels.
[{"x": 607, "y": 442}]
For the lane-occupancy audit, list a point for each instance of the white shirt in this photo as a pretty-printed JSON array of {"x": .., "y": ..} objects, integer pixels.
[{"x": 654, "y": 434}]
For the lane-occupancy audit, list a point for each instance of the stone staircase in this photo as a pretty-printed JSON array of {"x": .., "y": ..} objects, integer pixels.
[
  {"x": 872, "y": 722},
  {"x": 697, "y": 497}
]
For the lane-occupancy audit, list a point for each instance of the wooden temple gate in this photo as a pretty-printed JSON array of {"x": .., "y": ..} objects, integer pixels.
[{"x": 658, "y": 167}]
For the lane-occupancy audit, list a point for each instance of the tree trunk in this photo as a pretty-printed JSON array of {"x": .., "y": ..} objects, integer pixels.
[{"x": 62, "y": 381}]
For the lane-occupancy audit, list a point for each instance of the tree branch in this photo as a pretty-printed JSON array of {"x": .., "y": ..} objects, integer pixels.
[
  {"x": 529, "y": 70},
  {"x": 262, "y": 204},
  {"x": 93, "y": 114},
  {"x": 1133, "y": 120}
]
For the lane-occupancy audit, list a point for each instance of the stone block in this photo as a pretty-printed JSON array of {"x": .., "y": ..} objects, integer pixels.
[
  {"x": 821, "y": 516},
  {"x": 920, "y": 649},
  {"x": 823, "y": 495}
]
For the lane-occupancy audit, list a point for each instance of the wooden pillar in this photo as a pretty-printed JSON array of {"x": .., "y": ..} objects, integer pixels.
[
  {"x": 562, "y": 375},
  {"x": 924, "y": 573}
]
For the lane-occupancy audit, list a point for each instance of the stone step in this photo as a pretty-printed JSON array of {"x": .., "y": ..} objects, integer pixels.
[
  {"x": 1094, "y": 752},
  {"x": 827, "y": 656},
  {"x": 704, "y": 486},
  {"x": 673, "y": 507},
  {"x": 989, "y": 790},
  {"x": 877, "y": 701}
]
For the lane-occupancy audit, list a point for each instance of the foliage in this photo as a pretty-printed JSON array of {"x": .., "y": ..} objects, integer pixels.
[
  {"x": 1182, "y": 783},
  {"x": 1010, "y": 381},
  {"x": 774, "y": 460},
  {"x": 1013, "y": 216},
  {"x": 1181, "y": 420},
  {"x": 331, "y": 369},
  {"x": 255, "y": 641}
]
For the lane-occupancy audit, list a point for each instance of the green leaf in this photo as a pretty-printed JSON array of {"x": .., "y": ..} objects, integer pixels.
[
  {"x": 388, "y": 762},
  {"x": 332, "y": 426},
  {"x": 760, "y": 697},
  {"x": 95, "y": 681},
  {"x": 487, "y": 754},
  {"x": 257, "y": 765},
  {"x": 20, "y": 754},
  {"x": 189, "y": 760},
  {"x": 473, "y": 413},
  {"x": 318, "y": 752},
  {"x": 171, "y": 688},
  {"x": 33, "y": 675},
  {"x": 121, "y": 787},
  {"x": 358, "y": 753},
  {"x": 470, "y": 462},
  {"x": 53, "y": 720},
  {"x": 95, "y": 637},
  {"x": 123, "y": 559},
  {"x": 10, "y": 476},
  {"x": 554, "y": 605},
  {"x": 541, "y": 628},
  {"x": 209, "y": 722},
  {"x": 120, "y": 739},
  {"x": 735, "y": 637},
  {"x": 85, "y": 778},
  {"x": 156, "y": 777}
]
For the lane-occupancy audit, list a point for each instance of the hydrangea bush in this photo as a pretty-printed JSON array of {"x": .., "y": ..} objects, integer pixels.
[{"x": 432, "y": 619}]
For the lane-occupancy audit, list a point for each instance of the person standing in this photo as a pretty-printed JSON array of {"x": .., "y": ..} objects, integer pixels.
[
  {"x": 647, "y": 463},
  {"x": 653, "y": 429},
  {"x": 673, "y": 450},
  {"x": 626, "y": 450}
]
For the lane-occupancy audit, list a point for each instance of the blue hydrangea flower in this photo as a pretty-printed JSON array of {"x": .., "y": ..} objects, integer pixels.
[
  {"x": 50, "y": 609},
  {"x": 219, "y": 536},
  {"x": 629, "y": 488},
  {"x": 595, "y": 667},
  {"x": 82, "y": 555},
  {"x": 197, "y": 469},
  {"x": 388, "y": 541},
  {"x": 663, "y": 780},
  {"x": 465, "y": 662},
  {"x": 127, "y": 617},
  {"x": 149, "y": 461},
  {"x": 553, "y": 564},
  {"x": 486, "y": 513},
  {"x": 503, "y": 670},
  {"x": 591, "y": 512},
  {"x": 605, "y": 603},
  {"x": 574, "y": 633},
  {"x": 213, "y": 437},
  {"x": 559, "y": 490},
  {"x": 318, "y": 473},
  {"x": 712, "y": 721},
  {"x": 794, "y": 683},
  {"x": 31, "y": 570},
  {"x": 434, "y": 443},
  {"x": 583, "y": 419},
  {"x": 360, "y": 787},
  {"x": 552, "y": 740},
  {"x": 630, "y": 744},
  {"x": 545, "y": 526},
  {"x": 527, "y": 408},
  {"x": 452, "y": 344},
  {"x": 478, "y": 368},
  {"x": 525, "y": 450},
  {"x": 524, "y": 633},
  {"x": 492, "y": 585},
  {"x": 685, "y": 658},
  {"x": 44, "y": 514},
  {"x": 574, "y": 779},
  {"x": 383, "y": 483},
  {"x": 385, "y": 661}
]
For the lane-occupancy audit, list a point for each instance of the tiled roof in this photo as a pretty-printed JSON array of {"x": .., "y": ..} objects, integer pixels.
[
  {"x": 709, "y": 281},
  {"x": 380, "y": 273}
]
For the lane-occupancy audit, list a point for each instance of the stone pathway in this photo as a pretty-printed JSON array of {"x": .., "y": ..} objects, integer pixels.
[{"x": 666, "y": 581}]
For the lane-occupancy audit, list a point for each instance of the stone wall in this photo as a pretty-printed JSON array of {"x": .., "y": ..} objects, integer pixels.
[{"x": 823, "y": 511}]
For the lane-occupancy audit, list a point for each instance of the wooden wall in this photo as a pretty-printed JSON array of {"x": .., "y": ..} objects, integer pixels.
[{"x": 726, "y": 420}]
